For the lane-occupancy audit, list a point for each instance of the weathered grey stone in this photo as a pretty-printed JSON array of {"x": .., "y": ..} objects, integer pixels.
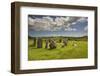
[
  {"x": 34, "y": 41},
  {"x": 52, "y": 44},
  {"x": 46, "y": 43},
  {"x": 39, "y": 42}
]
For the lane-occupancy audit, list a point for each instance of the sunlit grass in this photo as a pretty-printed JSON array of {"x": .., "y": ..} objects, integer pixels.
[{"x": 68, "y": 52}]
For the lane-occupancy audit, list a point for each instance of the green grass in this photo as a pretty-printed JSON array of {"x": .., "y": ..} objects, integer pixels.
[{"x": 68, "y": 52}]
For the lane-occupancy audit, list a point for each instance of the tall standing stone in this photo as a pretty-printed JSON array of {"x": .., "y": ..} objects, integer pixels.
[
  {"x": 34, "y": 41},
  {"x": 39, "y": 42},
  {"x": 46, "y": 43}
]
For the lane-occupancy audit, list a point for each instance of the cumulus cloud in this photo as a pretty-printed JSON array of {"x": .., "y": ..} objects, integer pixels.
[
  {"x": 83, "y": 19},
  {"x": 53, "y": 23},
  {"x": 40, "y": 24},
  {"x": 70, "y": 29},
  {"x": 31, "y": 21},
  {"x": 86, "y": 28}
]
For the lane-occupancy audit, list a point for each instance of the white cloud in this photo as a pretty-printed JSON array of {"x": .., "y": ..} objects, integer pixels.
[
  {"x": 40, "y": 24},
  {"x": 59, "y": 21},
  {"x": 47, "y": 23},
  {"x": 82, "y": 19},
  {"x": 49, "y": 19},
  {"x": 86, "y": 28},
  {"x": 70, "y": 29},
  {"x": 74, "y": 23},
  {"x": 30, "y": 21}
]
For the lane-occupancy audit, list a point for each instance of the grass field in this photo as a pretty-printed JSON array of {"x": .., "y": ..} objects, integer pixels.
[{"x": 68, "y": 52}]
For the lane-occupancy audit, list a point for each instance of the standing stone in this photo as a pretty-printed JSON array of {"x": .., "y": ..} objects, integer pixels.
[
  {"x": 39, "y": 43},
  {"x": 34, "y": 41},
  {"x": 60, "y": 40},
  {"x": 46, "y": 43},
  {"x": 64, "y": 42},
  {"x": 52, "y": 44}
]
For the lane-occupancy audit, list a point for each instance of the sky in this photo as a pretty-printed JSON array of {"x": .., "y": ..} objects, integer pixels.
[{"x": 47, "y": 25}]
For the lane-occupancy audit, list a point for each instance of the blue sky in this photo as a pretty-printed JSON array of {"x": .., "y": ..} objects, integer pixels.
[{"x": 68, "y": 26}]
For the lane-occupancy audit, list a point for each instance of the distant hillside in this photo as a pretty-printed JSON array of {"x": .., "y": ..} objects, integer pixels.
[
  {"x": 78, "y": 38},
  {"x": 84, "y": 38}
]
